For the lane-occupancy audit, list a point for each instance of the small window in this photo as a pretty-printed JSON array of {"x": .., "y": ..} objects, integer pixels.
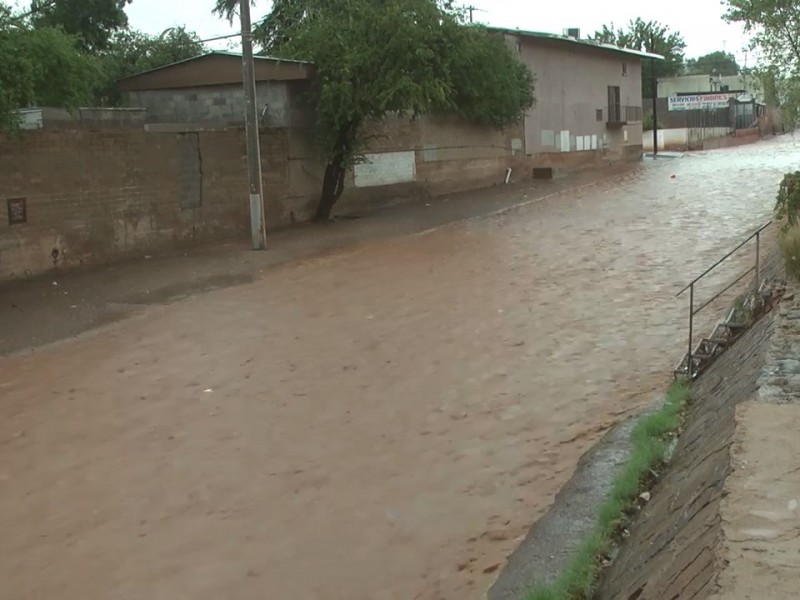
[
  {"x": 599, "y": 114},
  {"x": 624, "y": 69}
]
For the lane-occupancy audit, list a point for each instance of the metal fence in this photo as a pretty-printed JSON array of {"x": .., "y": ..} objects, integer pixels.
[
  {"x": 738, "y": 115},
  {"x": 696, "y": 357}
]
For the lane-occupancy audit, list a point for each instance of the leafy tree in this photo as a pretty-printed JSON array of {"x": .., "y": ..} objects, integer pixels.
[
  {"x": 379, "y": 57},
  {"x": 130, "y": 52},
  {"x": 774, "y": 27},
  {"x": 723, "y": 63},
  {"x": 648, "y": 36},
  {"x": 93, "y": 21},
  {"x": 41, "y": 67}
]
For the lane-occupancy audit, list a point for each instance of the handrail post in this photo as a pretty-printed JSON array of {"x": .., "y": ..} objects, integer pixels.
[
  {"x": 758, "y": 249},
  {"x": 691, "y": 319}
]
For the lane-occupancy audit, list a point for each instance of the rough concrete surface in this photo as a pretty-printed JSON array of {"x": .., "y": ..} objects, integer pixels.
[
  {"x": 671, "y": 550},
  {"x": 724, "y": 521},
  {"x": 553, "y": 539},
  {"x": 760, "y": 552}
]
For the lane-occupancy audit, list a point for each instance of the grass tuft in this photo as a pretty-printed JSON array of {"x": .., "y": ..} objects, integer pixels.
[{"x": 650, "y": 441}]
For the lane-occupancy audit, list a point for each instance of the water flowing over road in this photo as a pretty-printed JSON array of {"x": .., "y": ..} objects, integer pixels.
[{"x": 379, "y": 423}]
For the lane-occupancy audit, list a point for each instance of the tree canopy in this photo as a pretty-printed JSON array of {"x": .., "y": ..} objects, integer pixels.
[
  {"x": 723, "y": 63},
  {"x": 379, "y": 57},
  {"x": 92, "y": 21},
  {"x": 68, "y": 53},
  {"x": 648, "y": 36},
  {"x": 774, "y": 27},
  {"x": 130, "y": 52},
  {"x": 43, "y": 67}
]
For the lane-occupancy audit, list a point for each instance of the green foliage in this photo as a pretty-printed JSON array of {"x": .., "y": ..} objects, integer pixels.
[
  {"x": 62, "y": 75},
  {"x": 723, "y": 63},
  {"x": 773, "y": 26},
  {"x": 41, "y": 67},
  {"x": 787, "y": 204},
  {"x": 774, "y": 29},
  {"x": 648, "y": 36},
  {"x": 650, "y": 441},
  {"x": 787, "y": 214},
  {"x": 379, "y": 57},
  {"x": 647, "y": 122},
  {"x": 92, "y": 21},
  {"x": 489, "y": 85},
  {"x": 789, "y": 243},
  {"x": 67, "y": 53},
  {"x": 130, "y": 52}
]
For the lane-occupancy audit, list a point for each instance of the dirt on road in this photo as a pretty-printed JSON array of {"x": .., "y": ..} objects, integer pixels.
[{"x": 383, "y": 422}]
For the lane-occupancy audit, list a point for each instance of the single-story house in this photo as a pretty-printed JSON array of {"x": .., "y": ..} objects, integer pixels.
[
  {"x": 588, "y": 95},
  {"x": 698, "y": 84},
  {"x": 207, "y": 89}
]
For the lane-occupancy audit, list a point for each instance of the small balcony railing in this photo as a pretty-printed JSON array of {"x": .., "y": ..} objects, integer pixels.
[{"x": 622, "y": 114}]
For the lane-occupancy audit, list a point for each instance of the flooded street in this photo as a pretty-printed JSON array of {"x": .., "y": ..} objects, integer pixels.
[{"x": 380, "y": 423}]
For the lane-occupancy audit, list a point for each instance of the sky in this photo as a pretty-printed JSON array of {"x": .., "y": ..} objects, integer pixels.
[{"x": 699, "y": 21}]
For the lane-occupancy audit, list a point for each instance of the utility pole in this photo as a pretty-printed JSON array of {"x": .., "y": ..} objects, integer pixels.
[
  {"x": 472, "y": 9},
  {"x": 654, "y": 93},
  {"x": 257, "y": 225}
]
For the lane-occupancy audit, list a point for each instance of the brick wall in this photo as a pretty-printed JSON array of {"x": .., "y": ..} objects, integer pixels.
[{"x": 96, "y": 196}]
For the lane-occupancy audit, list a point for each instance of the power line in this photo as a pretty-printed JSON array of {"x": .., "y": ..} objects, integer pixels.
[
  {"x": 220, "y": 37},
  {"x": 471, "y": 9}
]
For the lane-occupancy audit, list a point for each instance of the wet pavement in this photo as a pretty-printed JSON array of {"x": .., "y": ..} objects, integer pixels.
[{"x": 382, "y": 422}]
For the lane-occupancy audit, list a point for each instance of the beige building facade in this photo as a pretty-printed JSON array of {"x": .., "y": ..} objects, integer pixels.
[{"x": 588, "y": 96}]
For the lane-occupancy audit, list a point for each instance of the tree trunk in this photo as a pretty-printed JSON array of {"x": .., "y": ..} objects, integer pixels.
[{"x": 332, "y": 188}]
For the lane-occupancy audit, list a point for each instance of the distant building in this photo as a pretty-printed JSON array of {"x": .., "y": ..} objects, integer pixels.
[
  {"x": 697, "y": 84},
  {"x": 588, "y": 95},
  {"x": 208, "y": 90}
]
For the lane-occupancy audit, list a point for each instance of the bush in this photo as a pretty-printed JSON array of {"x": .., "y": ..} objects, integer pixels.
[
  {"x": 787, "y": 215},
  {"x": 789, "y": 241},
  {"x": 647, "y": 123},
  {"x": 650, "y": 442},
  {"x": 787, "y": 205}
]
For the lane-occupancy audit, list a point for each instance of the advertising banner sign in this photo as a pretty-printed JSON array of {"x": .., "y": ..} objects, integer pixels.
[{"x": 699, "y": 102}]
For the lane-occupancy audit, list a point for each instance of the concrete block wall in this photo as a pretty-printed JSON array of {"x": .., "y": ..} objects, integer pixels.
[{"x": 221, "y": 104}]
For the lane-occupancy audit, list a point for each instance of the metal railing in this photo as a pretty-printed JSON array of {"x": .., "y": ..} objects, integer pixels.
[
  {"x": 690, "y": 286},
  {"x": 633, "y": 114}
]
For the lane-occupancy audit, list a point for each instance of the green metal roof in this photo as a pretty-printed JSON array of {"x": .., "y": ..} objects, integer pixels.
[
  {"x": 570, "y": 40},
  {"x": 238, "y": 55}
]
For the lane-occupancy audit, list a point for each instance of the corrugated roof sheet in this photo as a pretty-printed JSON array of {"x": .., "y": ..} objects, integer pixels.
[
  {"x": 567, "y": 39},
  {"x": 219, "y": 53}
]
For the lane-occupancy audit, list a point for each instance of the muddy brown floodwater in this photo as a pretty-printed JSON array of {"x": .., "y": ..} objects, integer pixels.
[{"x": 379, "y": 423}]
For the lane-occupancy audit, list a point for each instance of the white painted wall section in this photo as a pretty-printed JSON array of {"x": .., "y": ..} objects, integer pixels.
[
  {"x": 565, "y": 141},
  {"x": 386, "y": 168}
]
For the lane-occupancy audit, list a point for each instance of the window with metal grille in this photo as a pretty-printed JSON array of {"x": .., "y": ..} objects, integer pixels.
[
  {"x": 599, "y": 114},
  {"x": 614, "y": 104}
]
